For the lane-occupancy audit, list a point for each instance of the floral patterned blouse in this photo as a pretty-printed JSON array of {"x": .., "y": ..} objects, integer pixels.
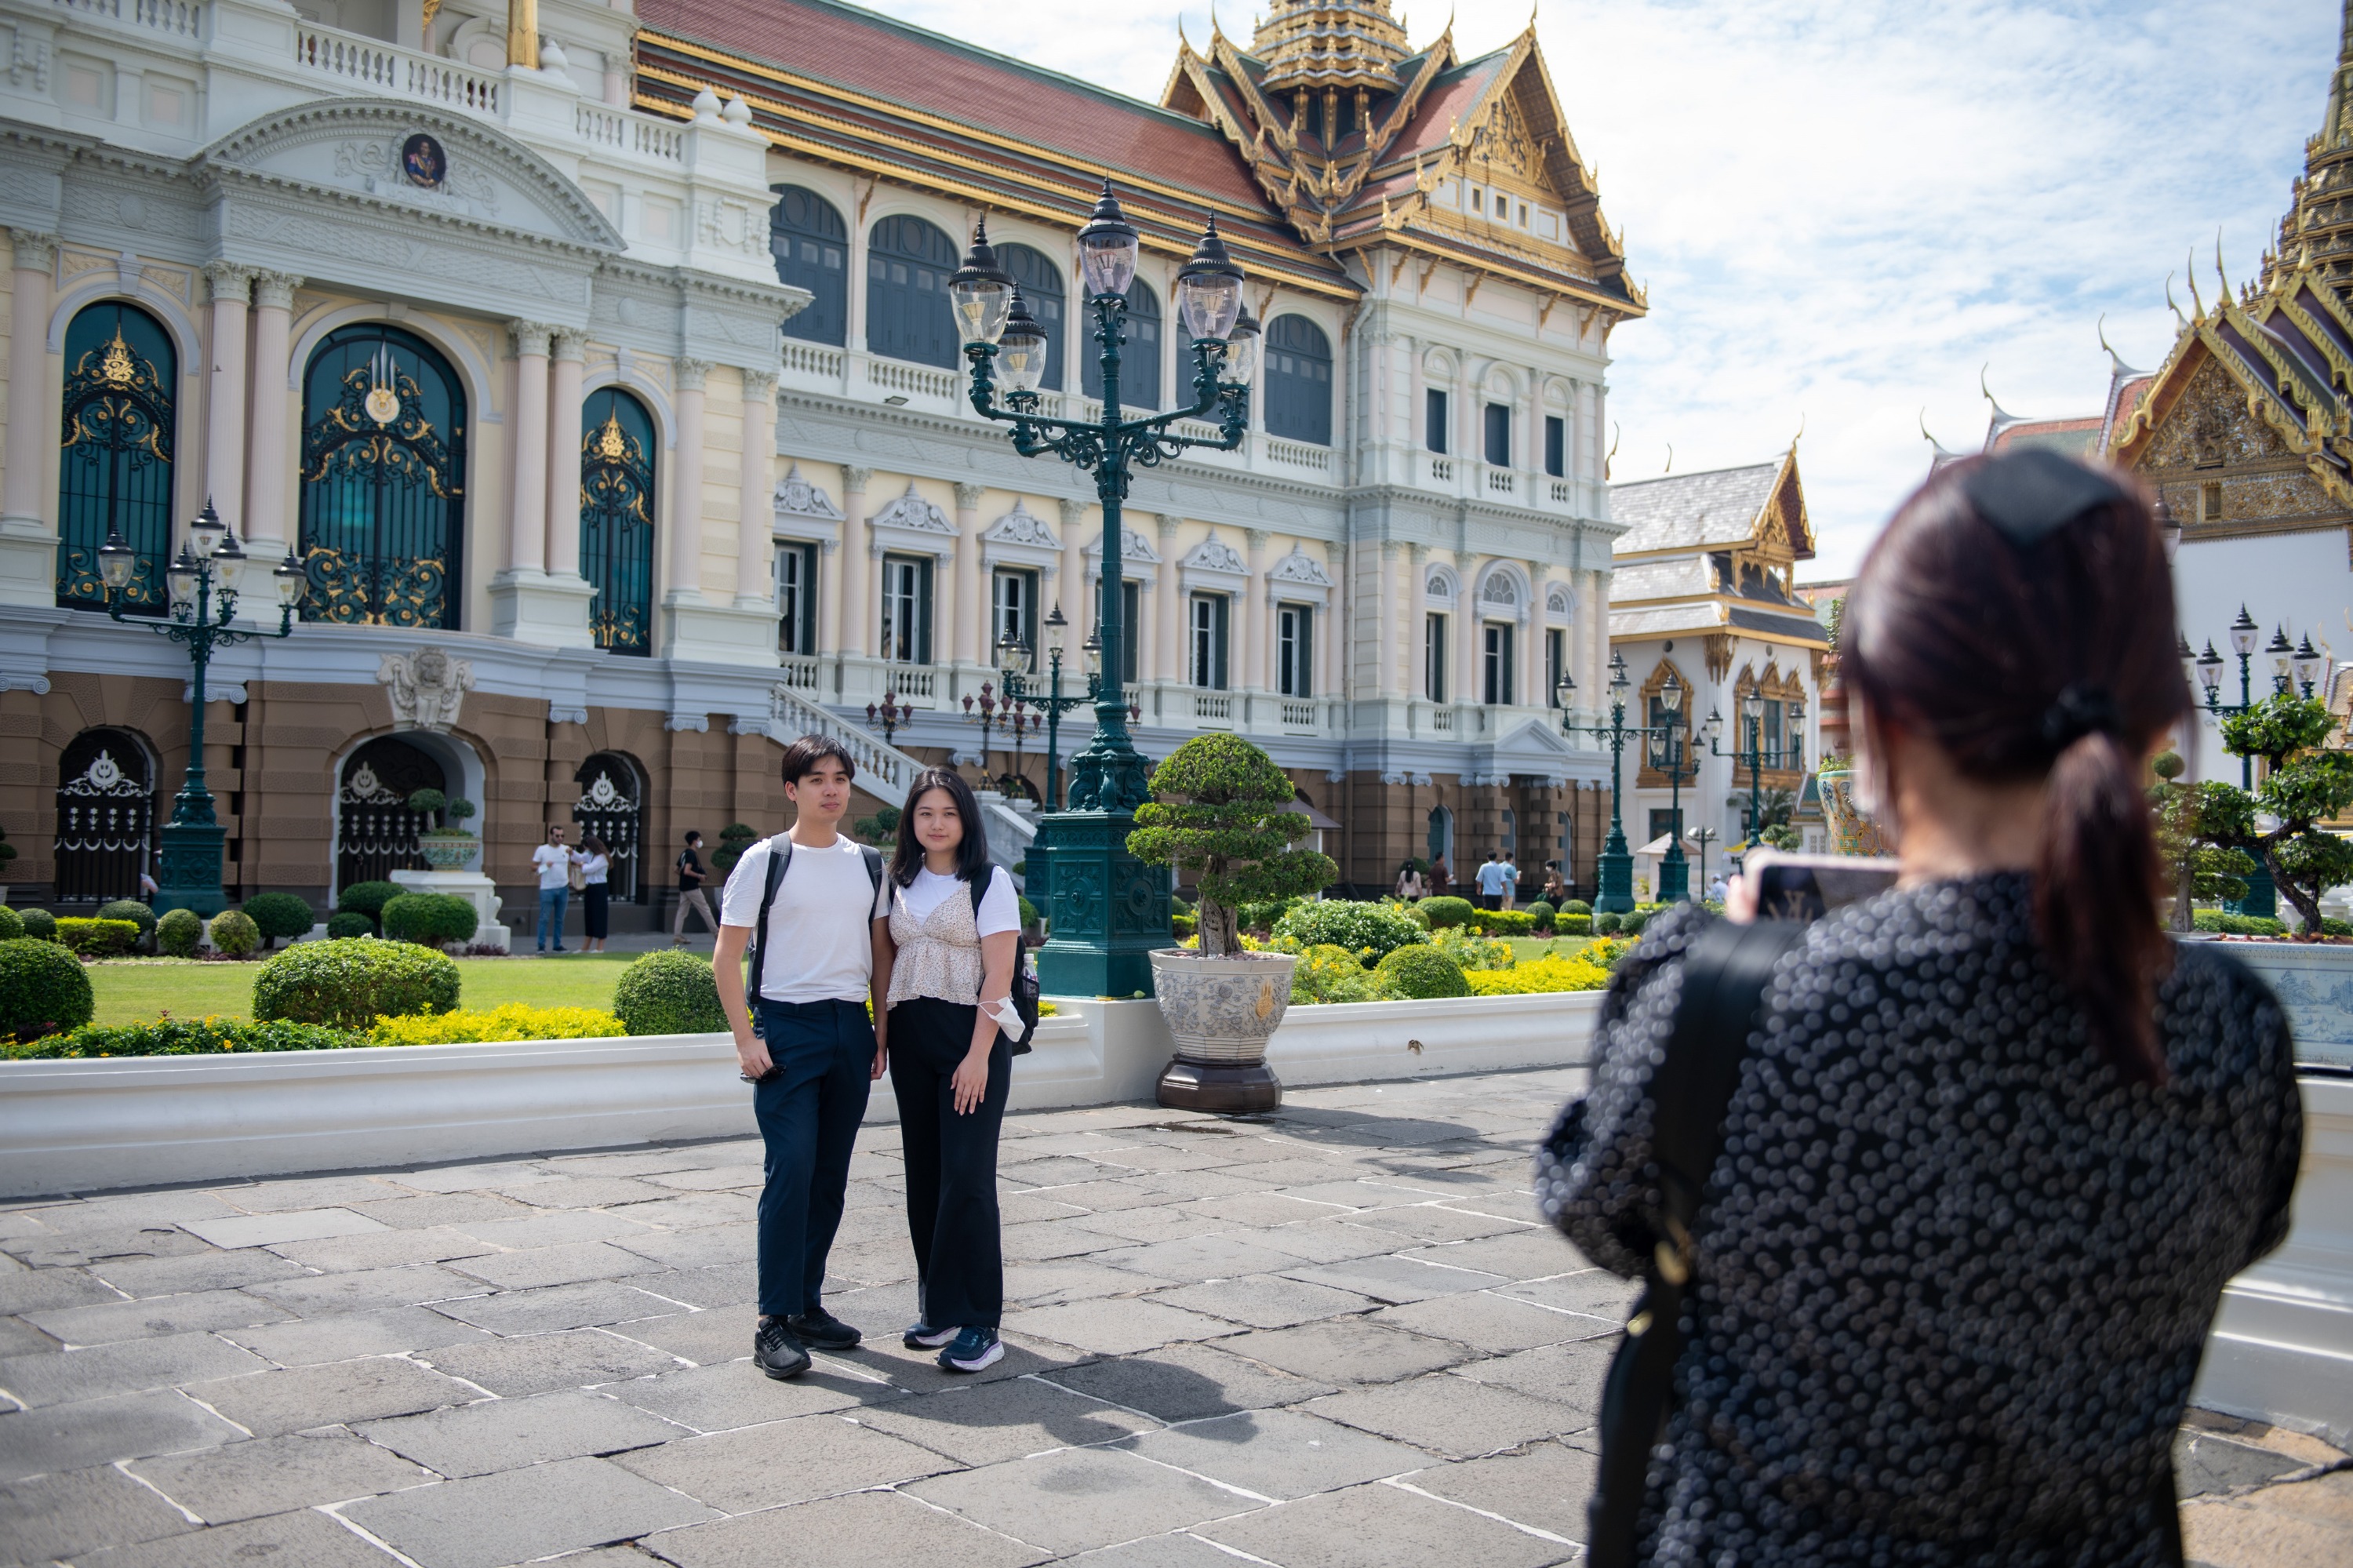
[{"x": 1954, "y": 1274}]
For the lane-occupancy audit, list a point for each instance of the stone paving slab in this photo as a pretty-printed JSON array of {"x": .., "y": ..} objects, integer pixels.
[{"x": 1333, "y": 1336}]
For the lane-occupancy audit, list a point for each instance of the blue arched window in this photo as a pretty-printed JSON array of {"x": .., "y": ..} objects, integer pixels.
[
  {"x": 616, "y": 519},
  {"x": 383, "y": 480},
  {"x": 1139, "y": 358},
  {"x": 115, "y": 465},
  {"x": 811, "y": 248},
  {"x": 1041, "y": 285},
  {"x": 1298, "y": 381},
  {"x": 907, "y": 316}
]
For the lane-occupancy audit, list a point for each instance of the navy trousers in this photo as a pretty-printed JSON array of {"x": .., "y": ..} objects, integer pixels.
[
  {"x": 951, "y": 1216},
  {"x": 809, "y": 1110}
]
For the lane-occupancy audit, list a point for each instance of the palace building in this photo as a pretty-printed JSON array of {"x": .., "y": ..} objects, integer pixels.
[{"x": 595, "y": 365}]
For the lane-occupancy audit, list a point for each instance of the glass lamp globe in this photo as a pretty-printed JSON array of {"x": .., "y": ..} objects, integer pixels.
[
  {"x": 1055, "y": 628},
  {"x": 2307, "y": 662},
  {"x": 2209, "y": 670},
  {"x": 116, "y": 559},
  {"x": 2244, "y": 632},
  {"x": 291, "y": 578},
  {"x": 1209, "y": 289},
  {"x": 1670, "y": 695},
  {"x": 204, "y": 532},
  {"x": 1797, "y": 711},
  {"x": 1714, "y": 726},
  {"x": 1563, "y": 690},
  {"x": 1107, "y": 247},
  {"x": 1619, "y": 682},
  {"x": 1021, "y": 348},
  {"x": 2283, "y": 654},
  {"x": 980, "y": 292},
  {"x": 228, "y": 562},
  {"x": 182, "y": 574},
  {"x": 1241, "y": 351},
  {"x": 1751, "y": 707},
  {"x": 1092, "y": 647}
]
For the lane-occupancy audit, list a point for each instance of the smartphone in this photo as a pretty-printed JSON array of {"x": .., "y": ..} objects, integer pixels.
[{"x": 1808, "y": 886}]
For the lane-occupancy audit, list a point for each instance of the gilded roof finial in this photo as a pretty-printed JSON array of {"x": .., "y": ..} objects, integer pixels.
[
  {"x": 2169, "y": 300},
  {"x": 2217, "y": 267},
  {"x": 1671, "y": 458},
  {"x": 2189, "y": 276},
  {"x": 1800, "y": 435}
]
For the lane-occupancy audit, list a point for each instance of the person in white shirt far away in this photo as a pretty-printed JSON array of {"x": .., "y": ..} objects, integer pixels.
[
  {"x": 1491, "y": 882},
  {"x": 813, "y": 1056},
  {"x": 552, "y": 861},
  {"x": 1409, "y": 885},
  {"x": 1511, "y": 881}
]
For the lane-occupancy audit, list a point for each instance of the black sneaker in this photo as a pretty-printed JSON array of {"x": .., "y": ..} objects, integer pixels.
[
  {"x": 821, "y": 1329},
  {"x": 922, "y": 1336},
  {"x": 974, "y": 1351},
  {"x": 775, "y": 1350}
]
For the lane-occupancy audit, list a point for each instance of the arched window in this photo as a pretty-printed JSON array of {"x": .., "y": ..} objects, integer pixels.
[
  {"x": 616, "y": 519},
  {"x": 384, "y": 475},
  {"x": 115, "y": 461},
  {"x": 1441, "y": 837},
  {"x": 106, "y": 814},
  {"x": 1298, "y": 381},
  {"x": 811, "y": 248},
  {"x": 375, "y": 832},
  {"x": 612, "y": 805},
  {"x": 1139, "y": 358},
  {"x": 907, "y": 316},
  {"x": 1041, "y": 282}
]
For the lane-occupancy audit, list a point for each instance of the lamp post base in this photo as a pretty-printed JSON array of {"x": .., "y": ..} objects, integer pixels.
[
  {"x": 1617, "y": 878},
  {"x": 1221, "y": 1087},
  {"x": 188, "y": 868},
  {"x": 1675, "y": 877},
  {"x": 1109, "y": 909}
]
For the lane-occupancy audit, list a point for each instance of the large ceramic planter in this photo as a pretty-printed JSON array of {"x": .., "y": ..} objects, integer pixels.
[
  {"x": 1222, "y": 1012},
  {"x": 1852, "y": 831},
  {"x": 448, "y": 850}
]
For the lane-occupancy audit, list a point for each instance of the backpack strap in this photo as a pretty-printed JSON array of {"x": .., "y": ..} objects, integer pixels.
[
  {"x": 1724, "y": 973},
  {"x": 780, "y": 860},
  {"x": 874, "y": 859}
]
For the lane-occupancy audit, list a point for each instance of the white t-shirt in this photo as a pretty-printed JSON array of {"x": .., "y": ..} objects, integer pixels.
[
  {"x": 595, "y": 868},
  {"x": 820, "y": 932},
  {"x": 1000, "y": 906},
  {"x": 554, "y": 861}
]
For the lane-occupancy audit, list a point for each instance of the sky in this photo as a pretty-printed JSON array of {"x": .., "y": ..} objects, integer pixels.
[{"x": 1843, "y": 210}]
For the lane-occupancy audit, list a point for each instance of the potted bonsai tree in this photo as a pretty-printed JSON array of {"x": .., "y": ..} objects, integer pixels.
[
  {"x": 445, "y": 845},
  {"x": 1224, "y": 814}
]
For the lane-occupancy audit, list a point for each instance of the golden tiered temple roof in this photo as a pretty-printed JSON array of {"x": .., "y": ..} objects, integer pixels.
[
  {"x": 1312, "y": 44},
  {"x": 2316, "y": 235}
]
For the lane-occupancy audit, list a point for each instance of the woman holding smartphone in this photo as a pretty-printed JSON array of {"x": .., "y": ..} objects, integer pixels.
[{"x": 955, "y": 935}]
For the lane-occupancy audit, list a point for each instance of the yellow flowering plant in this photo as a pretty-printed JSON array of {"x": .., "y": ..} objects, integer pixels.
[
  {"x": 513, "y": 1021},
  {"x": 1549, "y": 973}
]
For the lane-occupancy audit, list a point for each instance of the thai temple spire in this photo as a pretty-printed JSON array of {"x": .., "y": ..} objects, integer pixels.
[
  {"x": 1338, "y": 45},
  {"x": 2318, "y": 231}
]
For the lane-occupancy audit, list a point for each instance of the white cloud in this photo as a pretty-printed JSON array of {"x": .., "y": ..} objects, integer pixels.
[{"x": 1842, "y": 210}]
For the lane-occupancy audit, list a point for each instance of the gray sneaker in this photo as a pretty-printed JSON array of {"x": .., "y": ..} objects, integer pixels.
[
  {"x": 974, "y": 1351},
  {"x": 775, "y": 1350}
]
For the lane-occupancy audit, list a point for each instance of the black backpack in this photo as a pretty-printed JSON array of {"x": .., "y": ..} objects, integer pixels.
[
  {"x": 1025, "y": 977},
  {"x": 780, "y": 860}
]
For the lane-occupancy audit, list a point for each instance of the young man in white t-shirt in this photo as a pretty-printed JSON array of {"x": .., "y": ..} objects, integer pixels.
[
  {"x": 816, "y": 1055},
  {"x": 553, "y": 861}
]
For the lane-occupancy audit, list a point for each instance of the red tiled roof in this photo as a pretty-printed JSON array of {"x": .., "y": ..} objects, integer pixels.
[
  {"x": 2077, "y": 437},
  {"x": 1450, "y": 96}
]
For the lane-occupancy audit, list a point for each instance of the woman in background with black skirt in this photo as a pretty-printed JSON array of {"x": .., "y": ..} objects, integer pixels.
[
  {"x": 595, "y": 870},
  {"x": 951, "y": 962}
]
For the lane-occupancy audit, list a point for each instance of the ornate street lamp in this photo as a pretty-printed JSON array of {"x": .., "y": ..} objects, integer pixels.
[
  {"x": 1752, "y": 718},
  {"x": 1111, "y": 912},
  {"x": 1014, "y": 662},
  {"x": 893, "y": 715},
  {"x": 1668, "y": 753},
  {"x": 2292, "y": 666},
  {"x": 1617, "y": 864},
  {"x": 204, "y": 580}
]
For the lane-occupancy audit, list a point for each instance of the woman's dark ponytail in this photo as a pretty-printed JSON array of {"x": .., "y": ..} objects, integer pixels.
[{"x": 2018, "y": 612}]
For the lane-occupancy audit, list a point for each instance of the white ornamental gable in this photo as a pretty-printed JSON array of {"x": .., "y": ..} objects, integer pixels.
[
  {"x": 913, "y": 512},
  {"x": 796, "y": 497},
  {"x": 1021, "y": 526},
  {"x": 1299, "y": 566},
  {"x": 1214, "y": 554},
  {"x": 426, "y": 686}
]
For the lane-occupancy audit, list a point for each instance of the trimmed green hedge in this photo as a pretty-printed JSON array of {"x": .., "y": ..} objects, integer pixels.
[
  {"x": 12, "y": 924},
  {"x": 429, "y": 918},
  {"x": 184, "y": 1037},
  {"x": 133, "y": 910},
  {"x": 99, "y": 939},
  {"x": 43, "y": 990},
  {"x": 1572, "y": 924},
  {"x": 1421, "y": 972},
  {"x": 40, "y": 924},
  {"x": 352, "y": 983},
  {"x": 179, "y": 933},
  {"x": 279, "y": 915},
  {"x": 1341, "y": 923},
  {"x": 668, "y": 994},
  {"x": 348, "y": 923},
  {"x": 1504, "y": 922},
  {"x": 2230, "y": 924}
]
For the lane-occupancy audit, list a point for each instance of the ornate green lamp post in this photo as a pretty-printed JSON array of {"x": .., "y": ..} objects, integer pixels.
[
  {"x": 1109, "y": 909},
  {"x": 2292, "y": 667},
  {"x": 1669, "y": 752},
  {"x": 204, "y": 581},
  {"x": 1617, "y": 865},
  {"x": 1014, "y": 662}
]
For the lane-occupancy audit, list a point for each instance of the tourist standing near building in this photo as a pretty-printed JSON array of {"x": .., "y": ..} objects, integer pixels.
[
  {"x": 1511, "y": 881},
  {"x": 690, "y": 895},
  {"x": 954, "y": 937},
  {"x": 595, "y": 865},
  {"x": 2009, "y": 1284},
  {"x": 811, "y": 902},
  {"x": 1442, "y": 881},
  {"x": 1490, "y": 882},
  {"x": 1409, "y": 885},
  {"x": 553, "y": 861}
]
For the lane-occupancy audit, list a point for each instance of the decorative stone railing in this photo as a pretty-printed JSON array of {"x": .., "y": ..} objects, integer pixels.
[
  {"x": 612, "y": 131},
  {"x": 393, "y": 71}
]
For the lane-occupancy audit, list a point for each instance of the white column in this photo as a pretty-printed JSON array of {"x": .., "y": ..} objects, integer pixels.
[
  {"x": 564, "y": 443},
  {"x": 1170, "y": 591},
  {"x": 1412, "y": 572},
  {"x": 24, "y": 496},
  {"x": 527, "y": 444},
  {"x": 1255, "y": 614},
  {"x": 1530, "y": 692},
  {"x": 1386, "y": 617},
  {"x": 1073, "y": 577},
  {"x": 1327, "y": 640},
  {"x": 756, "y": 527},
  {"x": 686, "y": 485},
  {"x": 1415, "y": 436},
  {"x": 270, "y": 523},
  {"x": 232, "y": 290},
  {"x": 852, "y": 622},
  {"x": 964, "y": 622},
  {"x": 1468, "y": 684}
]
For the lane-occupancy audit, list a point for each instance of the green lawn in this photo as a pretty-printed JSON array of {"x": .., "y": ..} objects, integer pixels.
[
  {"x": 138, "y": 993},
  {"x": 1526, "y": 947}
]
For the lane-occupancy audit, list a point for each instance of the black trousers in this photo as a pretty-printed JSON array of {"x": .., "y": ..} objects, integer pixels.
[
  {"x": 951, "y": 1163},
  {"x": 809, "y": 1110}
]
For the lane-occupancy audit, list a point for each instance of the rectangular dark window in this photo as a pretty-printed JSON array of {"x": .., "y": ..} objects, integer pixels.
[
  {"x": 1662, "y": 822},
  {"x": 1434, "y": 412},
  {"x": 1773, "y": 736},
  {"x": 1555, "y": 661},
  {"x": 1131, "y": 627},
  {"x": 1555, "y": 446},
  {"x": 796, "y": 598},
  {"x": 1295, "y": 649},
  {"x": 1499, "y": 435},
  {"x": 1498, "y": 671},
  {"x": 907, "y": 609},
  {"x": 1433, "y": 657},
  {"x": 1012, "y": 610},
  {"x": 1206, "y": 625}
]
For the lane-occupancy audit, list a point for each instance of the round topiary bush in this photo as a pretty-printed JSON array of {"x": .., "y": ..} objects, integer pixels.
[
  {"x": 1577, "y": 906},
  {"x": 12, "y": 924},
  {"x": 1444, "y": 910},
  {"x": 1632, "y": 922},
  {"x": 429, "y": 918},
  {"x": 179, "y": 933},
  {"x": 1356, "y": 926},
  {"x": 1606, "y": 925},
  {"x": 43, "y": 990},
  {"x": 129, "y": 910},
  {"x": 279, "y": 915},
  {"x": 353, "y": 983},
  {"x": 40, "y": 924},
  {"x": 369, "y": 898},
  {"x": 1420, "y": 972},
  {"x": 235, "y": 933},
  {"x": 1542, "y": 914},
  {"x": 348, "y": 924},
  {"x": 668, "y": 994}
]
